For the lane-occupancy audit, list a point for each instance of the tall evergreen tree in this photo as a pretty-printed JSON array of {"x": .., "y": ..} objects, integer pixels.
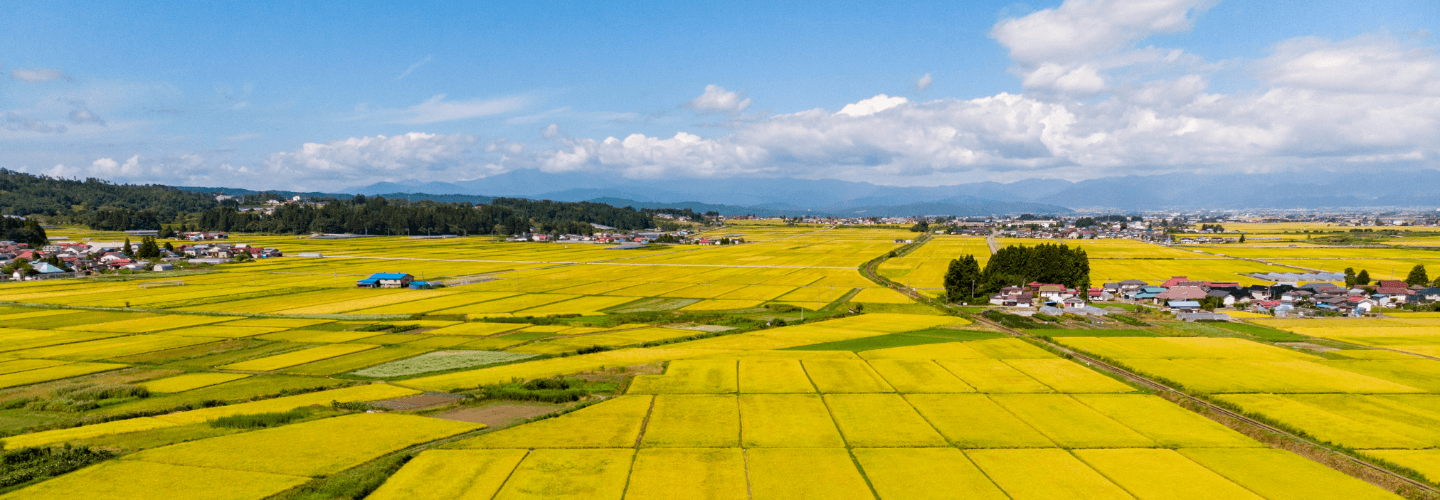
[
  {"x": 1350, "y": 277},
  {"x": 962, "y": 278},
  {"x": 129, "y": 252},
  {"x": 1363, "y": 278},
  {"x": 1417, "y": 276}
]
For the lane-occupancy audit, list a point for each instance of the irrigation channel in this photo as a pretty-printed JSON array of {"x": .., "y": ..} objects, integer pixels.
[{"x": 1348, "y": 464}]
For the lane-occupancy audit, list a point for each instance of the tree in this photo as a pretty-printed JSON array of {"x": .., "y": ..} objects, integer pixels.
[
  {"x": 1242, "y": 238},
  {"x": 148, "y": 249},
  {"x": 1363, "y": 278},
  {"x": 1350, "y": 277},
  {"x": 129, "y": 252},
  {"x": 1417, "y": 276},
  {"x": 962, "y": 278},
  {"x": 921, "y": 227}
]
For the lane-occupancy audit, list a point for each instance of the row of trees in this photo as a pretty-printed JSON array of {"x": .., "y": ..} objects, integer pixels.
[
  {"x": 1017, "y": 265},
  {"x": 23, "y": 231}
]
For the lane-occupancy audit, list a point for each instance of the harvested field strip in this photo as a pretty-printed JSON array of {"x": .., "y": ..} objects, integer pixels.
[
  {"x": 478, "y": 329},
  {"x": 690, "y": 377},
  {"x": 880, "y": 296},
  {"x": 611, "y": 424},
  {"x": 1151, "y": 473},
  {"x": 13, "y": 339},
  {"x": 787, "y": 421},
  {"x": 298, "y": 357},
  {"x": 758, "y": 292},
  {"x": 239, "y": 390},
  {"x": 927, "y": 473},
  {"x": 55, "y": 373},
  {"x": 319, "y": 336},
  {"x": 844, "y": 376},
  {"x": 1044, "y": 475},
  {"x": 722, "y": 305},
  {"x": 224, "y": 331},
  {"x": 507, "y": 304},
  {"x": 313, "y": 448},
  {"x": 668, "y": 473},
  {"x": 955, "y": 416},
  {"x": 893, "y": 323},
  {"x": 918, "y": 376},
  {"x": 1067, "y": 376},
  {"x": 440, "y": 361},
  {"x": 145, "y": 480},
  {"x": 693, "y": 421},
  {"x": 190, "y": 381},
  {"x": 1281, "y": 475},
  {"x": 1009, "y": 349},
  {"x": 773, "y": 376},
  {"x": 559, "y": 366},
  {"x": 447, "y": 474},
  {"x": 992, "y": 376},
  {"x": 1324, "y": 426},
  {"x": 584, "y": 306},
  {"x": 565, "y": 474},
  {"x": 805, "y": 473},
  {"x": 1169, "y": 425},
  {"x": 943, "y": 350},
  {"x": 880, "y": 421},
  {"x": 1069, "y": 423}
]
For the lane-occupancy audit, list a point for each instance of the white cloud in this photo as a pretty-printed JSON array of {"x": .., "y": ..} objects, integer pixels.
[
  {"x": 718, "y": 100},
  {"x": 551, "y": 131},
  {"x": 1371, "y": 64},
  {"x": 437, "y": 109},
  {"x": 872, "y": 105},
  {"x": 924, "y": 82},
  {"x": 359, "y": 159},
  {"x": 415, "y": 66},
  {"x": 1081, "y": 29},
  {"x": 15, "y": 121},
  {"x": 37, "y": 75}
]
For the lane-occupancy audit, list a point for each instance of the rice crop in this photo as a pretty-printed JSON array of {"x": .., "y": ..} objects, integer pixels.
[
  {"x": 20, "y": 365},
  {"x": 506, "y": 305},
  {"x": 368, "y": 392},
  {"x": 1044, "y": 474},
  {"x": 666, "y": 473},
  {"x": 956, "y": 415},
  {"x": 1246, "y": 376},
  {"x": 918, "y": 376},
  {"x": 787, "y": 421},
  {"x": 588, "y": 305},
  {"x": 366, "y": 302},
  {"x": 245, "y": 389},
  {"x": 151, "y": 324},
  {"x": 296, "y": 358},
  {"x": 224, "y": 331},
  {"x": 1152, "y": 473},
  {"x": 1066, "y": 376},
  {"x": 690, "y": 377},
  {"x": 1169, "y": 425},
  {"x": 1069, "y": 423},
  {"x": 55, "y": 373},
  {"x": 83, "y": 432},
  {"x": 15, "y": 339},
  {"x": 773, "y": 376},
  {"x": 880, "y": 420},
  {"x": 560, "y": 366},
  {"x": 805, "y": 473},
  {"x": 992, "y": 376},
  {"x": 112, "y": 347},
  {"x": 425, "y": 305},
  {"x": 693, "y": 421},
  {"x": 880, "y": 296},
  {"x": 317, "y": 447},
  {"x": 844, "y": 376},
  {"x": 1008, "y": 349},
  {"x": 925, "y": 473},
  {"x": 450, "y": 474},
  {"x": 440, "y": 361},
  {"x": 562, "y": 474},
  {"x": 614, "y": 423},
  {"x": 944, "y": 350},
  {"x": 1281, "y": 475},
  {"x": 190, "y": 381},
  {"x": 1323, "y": 425},
  {"x": 129, "y": 479},
  {"x": 479, "y": 329},
  {"x": 1426, "y": 462}
]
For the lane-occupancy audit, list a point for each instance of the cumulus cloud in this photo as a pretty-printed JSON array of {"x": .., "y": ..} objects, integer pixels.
[
  {"x": 924, "y": 82},
  {"x": 1372, "y": 64},
  {"x": 718, "y": 100},
  {"x": 872, "y": 105},
  {"x": 437, "y": 109},
  {"x": 37, "y": 75},
  {"x": 359, "y": 158}
]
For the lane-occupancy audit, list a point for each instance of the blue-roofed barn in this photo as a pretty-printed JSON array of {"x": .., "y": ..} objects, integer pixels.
[{"x": 386, "y": 280}]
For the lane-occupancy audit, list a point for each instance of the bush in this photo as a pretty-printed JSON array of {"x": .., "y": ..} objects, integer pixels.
[
  {"x": 28, "y": 464},
  {"x": 260, "y": 420},
  {"x": 549, "y": 390},
  {"x": 1012, "y": 321},
  {"x": 1128, "y": 320},
  {"x": 592, "y": 349}
]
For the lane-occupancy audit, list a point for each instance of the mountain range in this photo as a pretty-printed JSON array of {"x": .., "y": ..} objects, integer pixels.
[{"x": 789, "y": 196}]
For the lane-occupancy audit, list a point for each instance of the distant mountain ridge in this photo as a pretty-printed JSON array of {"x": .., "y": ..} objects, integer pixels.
[{"x": 1128, "y": 193}]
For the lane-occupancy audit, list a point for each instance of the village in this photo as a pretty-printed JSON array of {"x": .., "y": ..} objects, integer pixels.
[{"x": 63, "y": 259}]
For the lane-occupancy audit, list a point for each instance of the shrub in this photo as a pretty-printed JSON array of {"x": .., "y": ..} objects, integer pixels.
[
  {"x": 28, "y": 464},
  {"x": 549, "y": 390}
]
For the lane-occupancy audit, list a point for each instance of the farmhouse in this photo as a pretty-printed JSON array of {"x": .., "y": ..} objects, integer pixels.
[{"x": 386, "y": 280}]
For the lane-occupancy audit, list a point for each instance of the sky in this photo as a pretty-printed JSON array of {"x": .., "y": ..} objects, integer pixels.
[{"x": 274, "y": 95}]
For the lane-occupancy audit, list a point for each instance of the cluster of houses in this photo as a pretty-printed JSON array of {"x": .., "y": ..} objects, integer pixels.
[
  {"x": 1181, "y": 294},
  {"x": 87, "y": 257},
  {"x": 634, "y": 239}
]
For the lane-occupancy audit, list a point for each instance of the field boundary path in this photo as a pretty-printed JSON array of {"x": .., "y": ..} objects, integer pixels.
[
  {"x": 1270, "y": 435},
  {"x": 994, "y": 245}
]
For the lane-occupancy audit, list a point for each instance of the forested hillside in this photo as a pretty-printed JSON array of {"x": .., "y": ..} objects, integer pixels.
[{"x": 102, "y": 205}]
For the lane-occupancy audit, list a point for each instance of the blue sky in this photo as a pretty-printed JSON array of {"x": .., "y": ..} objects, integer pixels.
[{"x": 274, "y": 95}]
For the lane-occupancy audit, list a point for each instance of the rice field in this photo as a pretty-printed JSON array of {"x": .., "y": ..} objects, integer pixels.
[{"x": 726, "y": 416}]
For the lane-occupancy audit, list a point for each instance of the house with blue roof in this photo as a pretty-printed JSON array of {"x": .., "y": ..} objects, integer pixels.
[{"x": 386, "y": 280}]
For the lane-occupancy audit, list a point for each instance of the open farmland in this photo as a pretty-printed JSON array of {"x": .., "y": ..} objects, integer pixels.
[{"x": 674, "y": 372}]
